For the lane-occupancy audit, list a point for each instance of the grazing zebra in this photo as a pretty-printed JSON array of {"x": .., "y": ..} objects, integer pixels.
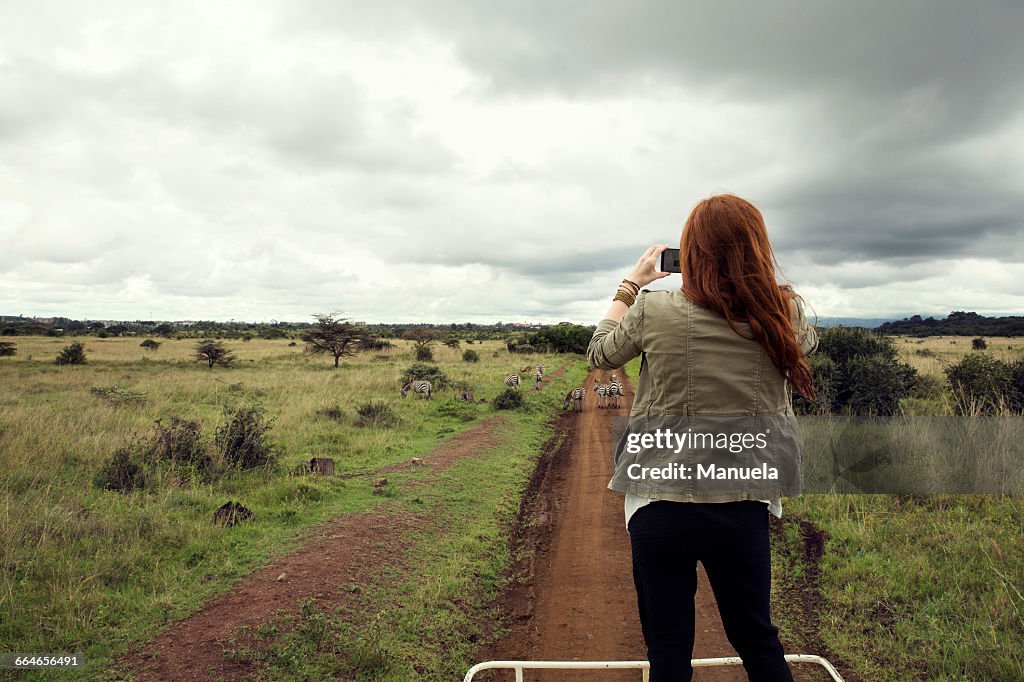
[
  {"x": 538, "y": 376},
  {"x": 422, "y": 387},
  {"x": 602, "y": 393},
  {"x": 615, "y": 391},
  {"x": 577, "y": 394},
  {"x": 512, "y": 381}
]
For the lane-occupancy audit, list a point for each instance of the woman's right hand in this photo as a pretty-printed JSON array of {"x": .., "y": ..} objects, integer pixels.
[{"x": 646, "y": 269}]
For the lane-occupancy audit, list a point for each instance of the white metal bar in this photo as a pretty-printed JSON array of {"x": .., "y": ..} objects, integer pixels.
[{"x": 643, "y": 666}]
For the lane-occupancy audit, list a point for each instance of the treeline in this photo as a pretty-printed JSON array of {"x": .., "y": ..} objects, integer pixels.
[
  {"x": 249, "y": 330},
  {"x": 957, "y": 323}
]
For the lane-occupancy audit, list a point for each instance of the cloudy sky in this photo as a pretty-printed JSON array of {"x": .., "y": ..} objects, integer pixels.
[{"x": 484, "y": 161}]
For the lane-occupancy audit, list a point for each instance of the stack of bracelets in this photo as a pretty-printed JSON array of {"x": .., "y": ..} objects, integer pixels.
[{"x": 627, "y": 292}]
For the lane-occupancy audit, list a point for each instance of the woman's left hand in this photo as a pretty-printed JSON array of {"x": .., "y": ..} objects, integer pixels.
[{"x": 646, "y": 269}]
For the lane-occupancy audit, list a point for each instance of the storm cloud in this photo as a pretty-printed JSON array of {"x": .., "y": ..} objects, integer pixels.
[{"x": 453, "y": 161}]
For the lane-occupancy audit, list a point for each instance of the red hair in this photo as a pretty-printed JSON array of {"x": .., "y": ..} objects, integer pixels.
[{"x": 728, "y": 266}]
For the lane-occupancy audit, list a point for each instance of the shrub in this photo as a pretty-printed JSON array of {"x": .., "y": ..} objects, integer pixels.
[
  {"x": 865, "y": 375},
  {"x": 332, "y": 412},
  {"x": 376, "y": 414},
  {"x": 508, "y": 400},
  {"x": 457, "y": 409},
  {"x": 242, "y": 439},
  {"x": 979, "y": 344},
  {"x": 875, "y": 384},
  {"x": 981, "y": 384},
  {"x": 524, "y": 348},
  {"x": 470, "y": 356},
  {"x": 7, "y": 348},
  {"x": 826, "y": 387},
  {"x": 118, "y": 396},
  {"x": 72, "y": 354},
  {"x": 424, "y": 354},
  {"x": 150, "y": 344},
  {"x": 434, "y": 375},
  {"x": 452, "y": 343},
  {"x": 120, "y": 473},
  {"x": 179, "y": 443}
]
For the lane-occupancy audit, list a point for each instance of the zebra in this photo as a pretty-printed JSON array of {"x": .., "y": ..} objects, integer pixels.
[
  {"x": 602, "y": 393},
  {"x": 422, "y": 387},
  {"x": 577, "y": 394},
  {"x": 540, "y": 369},
  {"x": 538, "y": 377},
  {"x": 614, "y": 390},
  {"x": 512, "y": 381}
]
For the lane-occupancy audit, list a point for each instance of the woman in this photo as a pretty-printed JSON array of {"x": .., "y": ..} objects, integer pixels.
[{"x": 729, "y": 342}]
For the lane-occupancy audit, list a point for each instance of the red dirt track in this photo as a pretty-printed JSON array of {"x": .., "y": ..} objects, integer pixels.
[{"x": 578, "y": 601}]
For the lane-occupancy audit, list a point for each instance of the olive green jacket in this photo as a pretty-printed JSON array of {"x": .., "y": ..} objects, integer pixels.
[{"x": 692, "y": 364}]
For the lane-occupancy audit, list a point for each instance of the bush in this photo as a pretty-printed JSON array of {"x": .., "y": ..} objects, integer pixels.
[
  {"x": 7, "y": 348},
  {"x": 118, "y": 396},
  {"x": 981, "y": 384},
  {"x": 73, "y": 354},
  {"x": 376, "y": 414},
  {"x": 979, "y": 344},
  {"x": 434, "y": 375},
  {"x": 861, "y": 373},
  {"x": 875, "y": 384},
  {"x": 332, "y": 412},
  {"x": 524, "y": 348},
  {"x": 457, "y": 409},
  {"x": 470, "y": 356},
  {"x": 179, "y": 443},
  {"x": 508, "y": 400},
  {"x": 120, "y": 473},
  {"x": 242, "y": 439},
  {"x": 826, "y": 387},
  {"x": 424, "y": 354},
  {"x": 150, "y": 344}
]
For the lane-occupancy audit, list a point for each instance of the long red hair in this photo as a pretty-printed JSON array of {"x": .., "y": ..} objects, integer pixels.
[{"x": 728, "y": 266}]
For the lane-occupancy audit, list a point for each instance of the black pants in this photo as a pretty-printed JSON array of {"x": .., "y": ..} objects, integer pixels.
[{"x": 731, "y": 540}]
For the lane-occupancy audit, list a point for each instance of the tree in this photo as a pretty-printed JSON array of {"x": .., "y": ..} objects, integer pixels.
[
  {"x": 334, "y": 336},
  {"x": 978, "y": 344},
  {"x": 150, "y": 344},
  {"x": 72, "y": 354},
  {"x": 422, "y": 337},
  {"x": 8, "y": 348},
  {"x": 214, "y": 353}
]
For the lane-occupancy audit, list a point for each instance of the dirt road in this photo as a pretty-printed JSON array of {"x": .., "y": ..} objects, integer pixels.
[{"x": 580, "y": 603}]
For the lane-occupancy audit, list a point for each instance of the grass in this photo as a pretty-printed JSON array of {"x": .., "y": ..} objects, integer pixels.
[{"x": 93, "y": 571}]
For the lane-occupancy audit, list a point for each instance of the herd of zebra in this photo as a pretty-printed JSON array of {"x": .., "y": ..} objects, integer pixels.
[
  {"x": 425, "y": 389},
  {"x": 607, "y": 395}
]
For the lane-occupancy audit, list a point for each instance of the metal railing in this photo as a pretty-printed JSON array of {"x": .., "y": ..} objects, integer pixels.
[{"x": 520, "y": 666}]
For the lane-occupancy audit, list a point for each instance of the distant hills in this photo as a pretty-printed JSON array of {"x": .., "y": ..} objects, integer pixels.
[{"x": 869, "y": 322}]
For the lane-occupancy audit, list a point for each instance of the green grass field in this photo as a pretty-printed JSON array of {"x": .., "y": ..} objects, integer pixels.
[{"x": 86, "y": 570}]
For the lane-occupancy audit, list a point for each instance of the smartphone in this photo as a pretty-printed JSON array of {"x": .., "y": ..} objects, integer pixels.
[{"x": 669, "y": 261}]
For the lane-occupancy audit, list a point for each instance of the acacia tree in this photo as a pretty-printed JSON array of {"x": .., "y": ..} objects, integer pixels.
[
  {"x": 334, "y": 336},
  {"x": 213, "y": 353},
  {"x": 422, "y": 337}
]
